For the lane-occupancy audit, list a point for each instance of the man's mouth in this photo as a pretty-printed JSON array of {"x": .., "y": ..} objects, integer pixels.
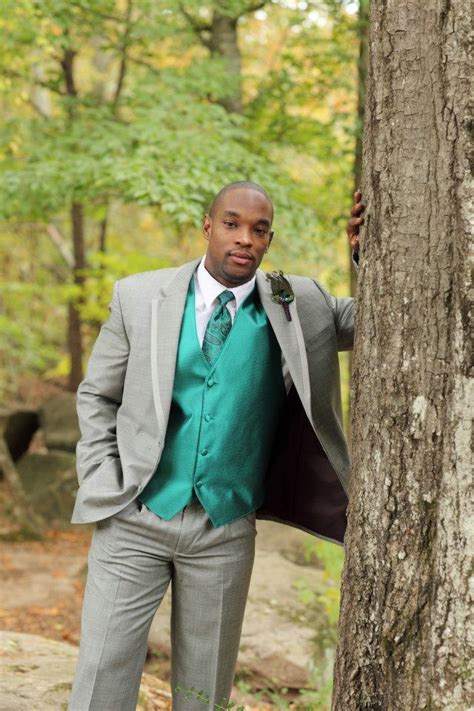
[{"x": 242, "y": 258}]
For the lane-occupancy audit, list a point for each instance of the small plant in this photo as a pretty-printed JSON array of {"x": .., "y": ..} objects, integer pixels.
[
  {"x": 192, "y": 693},
  {"x": 322, "y": 603}
]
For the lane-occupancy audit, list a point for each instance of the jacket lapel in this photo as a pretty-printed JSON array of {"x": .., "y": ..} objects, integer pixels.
[
  {"x": 166, "y": 317},
  {"x": 290, "y": 337}
]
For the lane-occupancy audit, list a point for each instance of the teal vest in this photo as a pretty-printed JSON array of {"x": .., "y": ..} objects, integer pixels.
[{"x": 222, "y": 420}]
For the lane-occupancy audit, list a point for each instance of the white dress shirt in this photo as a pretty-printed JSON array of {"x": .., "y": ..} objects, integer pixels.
[{"x": 207, "y": 289}]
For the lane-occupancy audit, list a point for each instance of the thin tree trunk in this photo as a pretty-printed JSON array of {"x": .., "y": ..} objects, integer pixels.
[
  {"x": 75, "y": 326},
  {"x": 103, "y": 232},
  {"x": 75, "y": 343},
  {"x": 404, "y": 617}
]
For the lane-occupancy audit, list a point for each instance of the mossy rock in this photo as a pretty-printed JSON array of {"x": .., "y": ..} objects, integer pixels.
[
  {"x": 50, "y": 483},
  {"x": 59, "y": 422}
]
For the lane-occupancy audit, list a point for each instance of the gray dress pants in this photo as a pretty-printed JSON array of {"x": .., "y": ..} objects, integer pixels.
[{"x": 134, "y": 556}]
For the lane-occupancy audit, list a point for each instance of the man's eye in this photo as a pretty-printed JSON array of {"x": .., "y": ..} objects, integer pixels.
[
  {"x": 259, "y": 231},
  {"x": 229, "y": 224}
]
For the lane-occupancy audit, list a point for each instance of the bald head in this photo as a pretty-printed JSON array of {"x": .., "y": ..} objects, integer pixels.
[{"x": 245, "y": 184}]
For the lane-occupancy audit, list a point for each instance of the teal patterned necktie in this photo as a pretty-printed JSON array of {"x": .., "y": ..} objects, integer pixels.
[{"x": 217, "y": 328}]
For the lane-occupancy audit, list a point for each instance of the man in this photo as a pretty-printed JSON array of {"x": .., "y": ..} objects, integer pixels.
[{"x": 206, "y": 403}]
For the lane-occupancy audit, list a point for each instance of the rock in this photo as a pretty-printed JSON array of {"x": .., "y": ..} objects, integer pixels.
[
  {"x": 36, "y": 672},
  {"x": 50, "y": 483},
  {"x": 19, "y": 426},
  {"x": 37, "y": 675},
  {"x": 59, "y": 421}
]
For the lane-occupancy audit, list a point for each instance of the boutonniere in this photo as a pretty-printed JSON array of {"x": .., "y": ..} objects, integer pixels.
[{"x": 282, "y": 293}]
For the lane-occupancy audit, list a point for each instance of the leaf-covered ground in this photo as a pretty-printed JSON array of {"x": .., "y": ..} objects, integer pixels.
[{"x": 42, "y": 584}]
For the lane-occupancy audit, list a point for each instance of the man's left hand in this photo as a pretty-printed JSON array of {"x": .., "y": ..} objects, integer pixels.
[{"x": 353, "y": 226}]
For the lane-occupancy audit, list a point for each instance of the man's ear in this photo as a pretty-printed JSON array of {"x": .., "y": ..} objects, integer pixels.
[
  {"x": 270, "y": 238},
  {"x": 206, "y": 226}
]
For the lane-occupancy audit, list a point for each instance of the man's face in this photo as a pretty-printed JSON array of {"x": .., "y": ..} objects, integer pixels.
[{"x": 239, "y": 233}]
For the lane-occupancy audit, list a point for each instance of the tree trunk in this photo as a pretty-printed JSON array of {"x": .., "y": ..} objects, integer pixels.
[
  {"x": 402, "y": 636},
  {"x": 74, "y": 321},
  {"x": 362, "y": 64},
  {"x": 78, "y": 243},
  {"x": 220, "y": 37},
  {"x": 224, "y": 43}
]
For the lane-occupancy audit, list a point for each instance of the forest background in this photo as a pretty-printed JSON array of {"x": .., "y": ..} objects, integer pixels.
[{"x": 121, "y": 120}]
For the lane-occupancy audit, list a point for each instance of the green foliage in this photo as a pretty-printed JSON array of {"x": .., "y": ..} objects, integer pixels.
[
  {"x": 169, "y": 146},
  {"x": 159, "y": 143},
  {"x": 23, "y": 346},
  {"x": 323, "y": 603},
  {"x": 103, "y": 271},
  {"x": 330, "y": 556},
  {"x": 203, "y": 698}
]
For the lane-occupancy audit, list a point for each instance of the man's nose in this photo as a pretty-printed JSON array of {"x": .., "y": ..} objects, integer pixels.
[{"x": 244, "y": 236}]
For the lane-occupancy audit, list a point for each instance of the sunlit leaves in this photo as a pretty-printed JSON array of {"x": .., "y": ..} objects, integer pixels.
[{"x": 165, "y": 145}]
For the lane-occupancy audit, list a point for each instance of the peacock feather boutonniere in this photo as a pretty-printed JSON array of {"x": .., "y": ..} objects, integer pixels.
[{"x": 282, "y": 293}]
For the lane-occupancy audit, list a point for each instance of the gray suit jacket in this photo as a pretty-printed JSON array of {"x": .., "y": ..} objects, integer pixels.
[{"x": 124, "y": 400}]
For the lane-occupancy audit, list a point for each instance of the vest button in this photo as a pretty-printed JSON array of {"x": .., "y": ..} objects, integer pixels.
[
  {"x": 204, "y": 452},
  {"x": 208, "y": 418}
]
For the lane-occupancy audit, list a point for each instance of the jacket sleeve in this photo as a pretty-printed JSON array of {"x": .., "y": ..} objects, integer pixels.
[
  {"x": 100, "y": 394},
  {"x": 343, "y": 312}
]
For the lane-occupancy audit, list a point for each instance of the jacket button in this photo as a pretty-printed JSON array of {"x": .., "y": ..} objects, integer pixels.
[
  {"x": 208, "y": 418},
  {"x": 204, "y": 452},
  {"x": 210, "y": 383}
]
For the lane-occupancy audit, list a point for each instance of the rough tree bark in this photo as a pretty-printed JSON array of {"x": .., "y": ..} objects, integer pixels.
[
  {"x": 362, "y": 64},
  {"x": 404, "y": 612}
]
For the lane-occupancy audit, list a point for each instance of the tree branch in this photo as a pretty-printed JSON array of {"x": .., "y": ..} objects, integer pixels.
[
  {"x": 38, "y": 108},
  {"x": 199, "y": 27},
  {"x": 60, "y": 243},
  {"x": 143, "y": 63},
  {"x": 256, "y": 6},
  {"x": 247, "y": 10},
  {"x": 106, "y": 16},
  {"x": 67, "y": 64},
  {"x": 123, "y": 60},
  {"x": 51, "y": 86}
]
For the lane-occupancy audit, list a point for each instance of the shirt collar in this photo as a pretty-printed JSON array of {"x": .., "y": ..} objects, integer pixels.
[{"x": 211, "y": 288}]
